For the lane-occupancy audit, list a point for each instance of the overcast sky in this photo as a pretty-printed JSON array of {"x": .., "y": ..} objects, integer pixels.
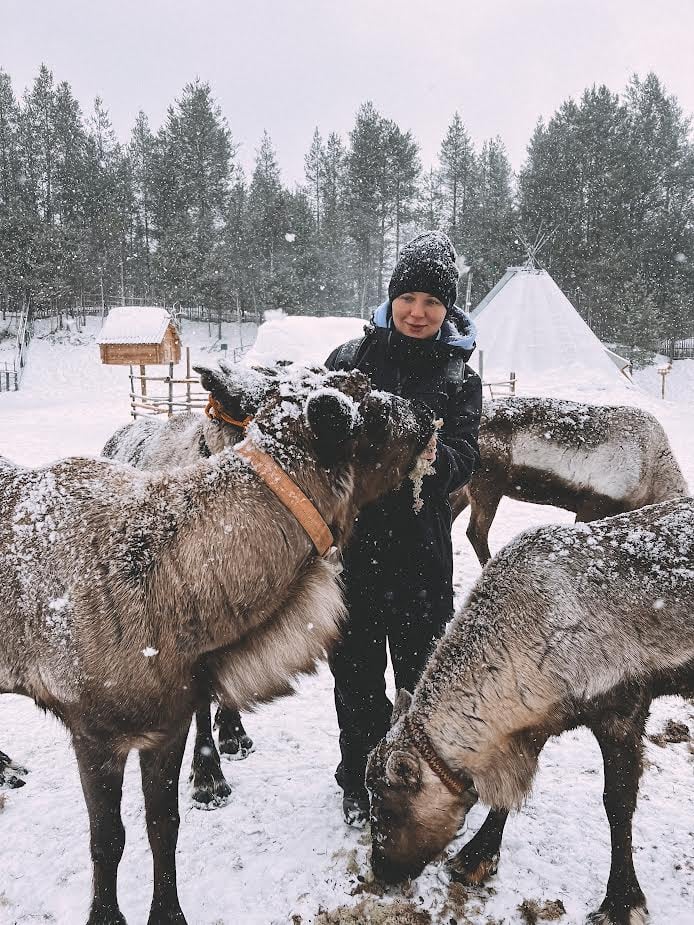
[{"x": 291, "y": 65}]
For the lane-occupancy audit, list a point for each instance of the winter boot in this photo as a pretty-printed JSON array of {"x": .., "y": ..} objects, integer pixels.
[{"x": 355, "y": 808}]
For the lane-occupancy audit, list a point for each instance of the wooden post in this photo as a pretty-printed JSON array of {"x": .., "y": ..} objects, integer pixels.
[
  {"x": 513, "y": 383},
  {"x": 101, "y": 287},
  {"x": 188, "y": 378},
  {"x": 143, "y": 381},
  {"x": 133, "y": 413},
  {"x": 171, "y": 376},
  {"x": 663, "y": 370}
]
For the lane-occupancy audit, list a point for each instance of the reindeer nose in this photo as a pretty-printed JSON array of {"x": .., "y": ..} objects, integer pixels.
[{"x": 387, "y": 870}]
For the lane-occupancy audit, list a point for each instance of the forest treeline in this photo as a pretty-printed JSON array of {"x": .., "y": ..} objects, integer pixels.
[{"x": 170, "y": 216}]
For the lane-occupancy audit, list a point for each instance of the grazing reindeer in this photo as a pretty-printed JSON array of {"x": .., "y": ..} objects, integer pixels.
[
  {"x": 593, "y": 460},
  {"x": 127, "y": 597},
  {"x": 568, "y": 626},
  {"x": 150, "y": 443}
]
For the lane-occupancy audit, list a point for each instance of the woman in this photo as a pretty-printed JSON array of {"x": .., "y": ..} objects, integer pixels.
[{"x": 399, "y": 562}]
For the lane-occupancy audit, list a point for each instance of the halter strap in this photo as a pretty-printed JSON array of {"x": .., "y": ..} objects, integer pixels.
[
  {"x": 215, "y": 411},
  {"x": 454, "y": 782}
]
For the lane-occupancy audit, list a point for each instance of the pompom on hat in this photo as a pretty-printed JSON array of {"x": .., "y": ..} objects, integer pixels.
[{"x": 427, "y": 263}]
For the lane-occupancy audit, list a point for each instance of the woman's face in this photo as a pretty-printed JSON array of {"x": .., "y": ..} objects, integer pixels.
[{"x": 418, "y": 314}]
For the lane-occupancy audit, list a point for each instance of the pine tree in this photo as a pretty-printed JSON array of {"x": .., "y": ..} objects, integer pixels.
[
  {"x": 333, "y": 264},
  {"x": 380, "y": 192},
  {"x": 313, "y": 170},
  {"x": 491, "y": 223},
  {"x": 405, "y": 168},
  {"x": 192, "y": 169},
  {"x": 267, "y": 225},
  {"x": 141, "y": 155},
  {"x": 364, "y": 201},
  {"x": 662, "y": 202},
  {"x": 14, "y": 227},
  {"x": 456, "y": 179}
]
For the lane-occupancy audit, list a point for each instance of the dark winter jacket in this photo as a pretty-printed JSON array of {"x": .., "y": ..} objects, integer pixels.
[{"x": 396, "y": 552}]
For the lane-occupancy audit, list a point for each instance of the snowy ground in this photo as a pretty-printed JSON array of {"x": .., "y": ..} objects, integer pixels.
[{"x": 279, "y": 851}]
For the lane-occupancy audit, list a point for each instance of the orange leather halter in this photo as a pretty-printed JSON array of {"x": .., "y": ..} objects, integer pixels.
[{"x": 216, "y": 412}]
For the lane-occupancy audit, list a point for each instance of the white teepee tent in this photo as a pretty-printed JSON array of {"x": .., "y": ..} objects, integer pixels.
[{"x": 526, "y": 325}]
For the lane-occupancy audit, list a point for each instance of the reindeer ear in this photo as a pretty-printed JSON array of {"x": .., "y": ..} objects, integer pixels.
[
  {"x": 239, "y": 390},
  {"x": 333, "y": 418},
  {"x": 403, "y": 699},
  {"x": 403, "y": 771},
  {"x": 212, "y": 380}
]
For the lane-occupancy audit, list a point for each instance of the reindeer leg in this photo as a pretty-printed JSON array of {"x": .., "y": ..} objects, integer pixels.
[
  {"x": 210, "y": 788},
  {"x": 621, "y": 744},
  {"x": 479, "y": 858},
  {"x": 234, "y": 741},
  {"x": 160, "y": 771},
  {"x": 101, "y": 774},
  {"x": 483, "y": 508},
  {"x": 458, "y": 500}
]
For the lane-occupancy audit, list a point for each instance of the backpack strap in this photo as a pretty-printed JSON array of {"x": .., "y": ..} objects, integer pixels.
[
  {"x": 457, "y": 372},
  {"x": 346, "y": 356}
]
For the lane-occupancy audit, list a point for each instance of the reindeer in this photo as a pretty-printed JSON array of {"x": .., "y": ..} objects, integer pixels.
[
  {"x": 150, "y": 443},
  {"x": 128, "y": 598},
  {"x": 579, "y": 625},
  {"x": 593, "y": 460}
]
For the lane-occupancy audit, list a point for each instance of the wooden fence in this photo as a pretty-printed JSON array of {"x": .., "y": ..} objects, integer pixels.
[
  {"x": 681, "y": 349},
  {"x": 8, "y": 378},
  {"x": 503, "y": 387},
  {"x": 168, "y": 394},
  {"x": 11, "y": 375}
]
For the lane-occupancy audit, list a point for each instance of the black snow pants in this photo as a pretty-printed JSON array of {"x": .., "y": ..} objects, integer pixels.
[{"x": 411, "y": 624}]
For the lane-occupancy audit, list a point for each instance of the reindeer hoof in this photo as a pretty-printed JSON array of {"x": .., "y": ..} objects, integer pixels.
[
  {"x": 619, "y": 914},
  {"x": 210, "y": 794},
  {"x": 101, "y": 916},
  {"x": 160, "y": 916},
  {"x": 236, "y": 749},
  {"x": 11, "y": 774},
  {"x": 472, "y": 870}
]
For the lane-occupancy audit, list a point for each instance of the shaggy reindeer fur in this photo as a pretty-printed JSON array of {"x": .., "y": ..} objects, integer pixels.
[
  {"x": 593, "y": 460},
  {"x": 152, "y": 443},
  {"x": 567, "y": 626},
  {"x": 126, "y": 597}
]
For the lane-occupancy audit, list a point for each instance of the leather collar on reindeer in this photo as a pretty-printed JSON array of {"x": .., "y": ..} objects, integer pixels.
[
  {"x": 457, "y": 784},
  {"x": 289, "y": 493},
  {"x": 216, "y": 412}
]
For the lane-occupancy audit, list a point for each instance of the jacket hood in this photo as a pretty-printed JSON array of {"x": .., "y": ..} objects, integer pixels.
[{"x": 457, "y": 331}]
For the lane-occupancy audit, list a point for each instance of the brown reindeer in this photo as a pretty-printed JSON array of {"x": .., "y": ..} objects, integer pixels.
[
  {"x": 579, "y": 625},
  {"x": 127, "y": 597},
  {"x": 151, "y": 443},
  {"x": 593, "y": 460}
]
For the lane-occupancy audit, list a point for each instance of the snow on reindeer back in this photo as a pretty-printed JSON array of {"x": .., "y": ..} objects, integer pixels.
[
  {"x": 300, "y": 339},
  {"x": 655, "y": 543}
]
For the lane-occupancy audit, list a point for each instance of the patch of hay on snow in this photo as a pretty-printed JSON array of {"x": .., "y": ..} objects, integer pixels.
[
  {"x": 533, "y": 912},
  {"x": 371, "y": 912}
]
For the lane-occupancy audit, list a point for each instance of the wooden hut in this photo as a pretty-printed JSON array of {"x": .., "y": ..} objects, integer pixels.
[{"x": 139, "y": 334}]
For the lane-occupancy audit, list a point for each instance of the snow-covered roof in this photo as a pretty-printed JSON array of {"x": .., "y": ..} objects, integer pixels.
[
  {"x": 135, "y": 324},
  {"x": 300, "y": 338}
]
